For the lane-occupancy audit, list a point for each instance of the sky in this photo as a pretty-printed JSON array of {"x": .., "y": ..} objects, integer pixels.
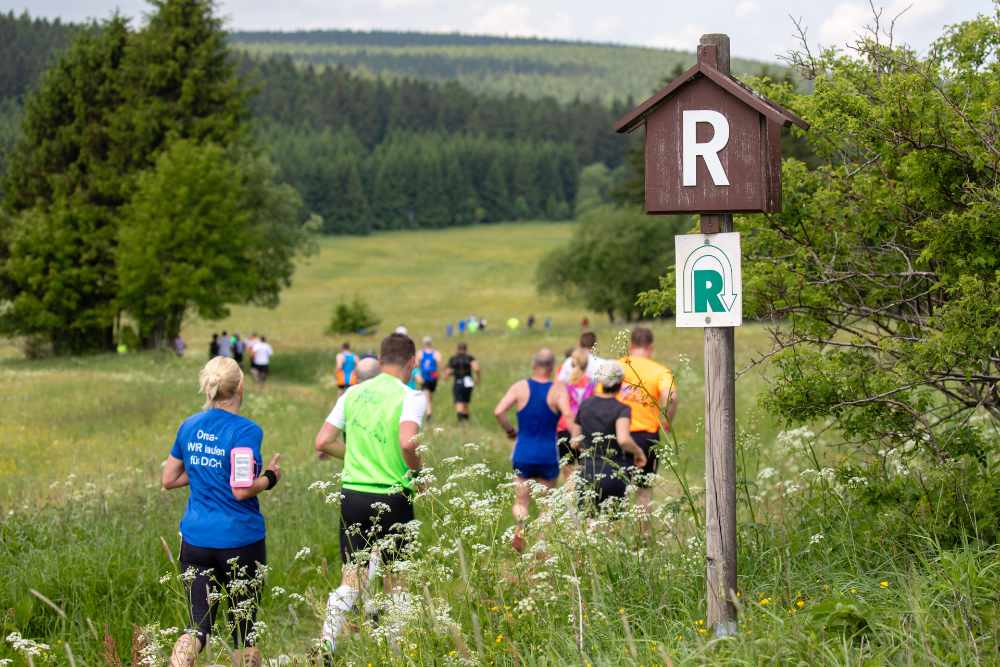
[{"x": 759, "y": 29}]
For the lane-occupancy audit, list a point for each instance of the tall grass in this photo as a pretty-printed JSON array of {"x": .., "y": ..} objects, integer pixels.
[{"x": 88, "y": 541}]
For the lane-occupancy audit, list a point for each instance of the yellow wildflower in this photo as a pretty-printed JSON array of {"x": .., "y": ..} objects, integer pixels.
[
  {"x": 884, "y": 583},
  {"x": 800, "y": 603},
  {"x": 763, "y": 602},
  {"x": 499, "y": 639}
]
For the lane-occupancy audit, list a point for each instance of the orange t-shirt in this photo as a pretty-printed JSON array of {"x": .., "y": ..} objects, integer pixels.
[{"x": 645, "y": 383}]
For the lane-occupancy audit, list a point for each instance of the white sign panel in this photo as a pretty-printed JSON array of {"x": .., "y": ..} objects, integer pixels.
[{"x": 709, "y": 280}]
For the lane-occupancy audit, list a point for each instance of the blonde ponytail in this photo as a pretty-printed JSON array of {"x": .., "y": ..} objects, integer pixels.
[
  {"x": 580, "y": 359},
  {"x": 220, "y": 379}
]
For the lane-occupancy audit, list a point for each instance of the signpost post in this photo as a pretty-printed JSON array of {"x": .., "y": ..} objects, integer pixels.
[{"x": 713, "y": 147}]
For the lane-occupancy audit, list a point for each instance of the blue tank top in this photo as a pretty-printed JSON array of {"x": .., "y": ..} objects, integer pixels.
[
  {"x": 428, "y": 365},
  {"x": 350, "y": 363},
  {"x": 536, "y": 427}
]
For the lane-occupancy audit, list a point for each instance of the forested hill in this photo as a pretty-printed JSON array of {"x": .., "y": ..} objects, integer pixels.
[{"x": 486, "y": 64}]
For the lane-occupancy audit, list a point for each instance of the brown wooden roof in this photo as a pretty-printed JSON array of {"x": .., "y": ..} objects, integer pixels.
[{"x": 734, "y": 87}]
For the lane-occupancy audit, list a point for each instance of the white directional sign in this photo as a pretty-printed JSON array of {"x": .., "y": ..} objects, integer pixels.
[{"x": 709, "y": 280}]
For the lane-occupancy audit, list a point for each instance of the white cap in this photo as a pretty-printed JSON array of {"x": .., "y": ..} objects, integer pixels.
[
  {"x": 401, "y": 330},
  {"x": 609, "y": 373}
]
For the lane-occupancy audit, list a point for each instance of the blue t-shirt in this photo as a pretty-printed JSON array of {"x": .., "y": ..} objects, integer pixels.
[{"x": 214, "y": 518}]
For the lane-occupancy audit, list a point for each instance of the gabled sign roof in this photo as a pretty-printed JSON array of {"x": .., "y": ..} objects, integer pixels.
[{"x": 707, "y": 67}]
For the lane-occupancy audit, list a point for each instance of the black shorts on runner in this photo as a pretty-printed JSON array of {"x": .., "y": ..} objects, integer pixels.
[
  {"x": 647, "y": 442},
  {"x": 598, "y": 485},
  {"x": 260, "y": 368},
  {"x": 461, "y": 393},
  {"x": 430, "y": 385},
  {"x": 365, "y": 523},
  {"x": 567, "y": 454}
]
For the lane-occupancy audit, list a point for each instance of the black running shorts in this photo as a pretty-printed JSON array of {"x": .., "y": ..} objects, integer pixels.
[
  {"x": 369, "y": 520},
  {"x": 461, "y": 393},
  {"x": 647, "y": 442},
  {"x": 430, "y": 385}
]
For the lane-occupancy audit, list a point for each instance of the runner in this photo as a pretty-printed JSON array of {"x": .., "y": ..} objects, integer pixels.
[
  {"x": 238, "y": 347},
  {"x": 607, "y": 448},
  {"x": 346, "y": 363},
  {"x": 213, "y": 347},
  {"x": 578, "y": 389},
  {"x": 650, "y": 391},
  {"x": 222, "y": 529},
  {"x": 465, "y": 369},
  {"x": 430, "y": 362},
  {"x": 260, "y": 362},
  {"x": 225, "y": 345},
  {"x": 381, "y": 462},
  {"x": 588, "y": 341},
  {"x": 367, "y": 369},
  {"x": 540, "y": 403}
]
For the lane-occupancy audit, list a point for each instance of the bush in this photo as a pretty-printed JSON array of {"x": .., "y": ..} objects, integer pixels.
[{"x": 354, "y": 317}]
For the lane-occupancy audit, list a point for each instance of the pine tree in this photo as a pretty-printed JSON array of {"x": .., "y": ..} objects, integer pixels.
[{"x": 61, "y": 199}]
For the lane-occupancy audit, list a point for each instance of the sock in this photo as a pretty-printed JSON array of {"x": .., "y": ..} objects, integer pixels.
[{"x": 338, "y": 604}]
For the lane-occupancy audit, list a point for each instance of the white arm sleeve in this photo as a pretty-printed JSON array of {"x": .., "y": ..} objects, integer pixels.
[
  {"x": 336, "y": 417},
  {"x": 414, "y": 408}
]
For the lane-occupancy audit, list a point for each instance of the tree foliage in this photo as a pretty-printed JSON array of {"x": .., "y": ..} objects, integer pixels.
[
  {"x": 206, "y": 228},
  {"x": 615, "y": 253},
  {"x": 99, "y": 119},
  {"x": 881, "y": 272}
]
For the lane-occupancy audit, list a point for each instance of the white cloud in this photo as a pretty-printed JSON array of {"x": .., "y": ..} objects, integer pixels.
[
  {"x": 848, "y": 20},
  {"x": 684, "y": 38},
  {"x": 519, "y": 20},
  {"x": 745, "y": 8}
]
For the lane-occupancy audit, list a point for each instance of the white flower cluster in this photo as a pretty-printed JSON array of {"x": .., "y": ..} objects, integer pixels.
[{"x": 27, "y": 647}]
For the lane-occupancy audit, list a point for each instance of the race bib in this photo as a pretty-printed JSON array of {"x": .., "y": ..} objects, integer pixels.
[{"x": 467, "y": 382}]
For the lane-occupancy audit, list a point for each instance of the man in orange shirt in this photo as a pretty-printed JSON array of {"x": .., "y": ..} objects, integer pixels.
[{"x": 649, "y": 389}]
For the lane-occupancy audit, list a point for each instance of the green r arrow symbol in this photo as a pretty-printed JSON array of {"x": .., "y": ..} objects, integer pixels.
[{"x": 707, "y": 274}]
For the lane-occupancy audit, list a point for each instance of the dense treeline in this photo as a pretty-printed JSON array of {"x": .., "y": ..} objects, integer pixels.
[
  {"x": 26, "y": 49},
  {"x": 335, "y": 98},
  {"x": 127, "y": 197},
  {"x": 415, "y": 180},
  {"x": 389, "y": 38}
]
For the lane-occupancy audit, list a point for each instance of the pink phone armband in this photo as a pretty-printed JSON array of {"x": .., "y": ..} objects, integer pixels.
[{"x": 241, "y": 466}]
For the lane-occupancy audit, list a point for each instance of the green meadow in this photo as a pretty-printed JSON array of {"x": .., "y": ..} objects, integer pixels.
[{"x": 88, "y": 540}]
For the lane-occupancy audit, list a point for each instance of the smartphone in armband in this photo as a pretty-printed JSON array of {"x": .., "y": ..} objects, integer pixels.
[{"x": 241, "y": 465}]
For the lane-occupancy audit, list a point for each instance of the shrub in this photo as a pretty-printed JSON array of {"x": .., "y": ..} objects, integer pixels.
[{"x": 354, "y": 317}]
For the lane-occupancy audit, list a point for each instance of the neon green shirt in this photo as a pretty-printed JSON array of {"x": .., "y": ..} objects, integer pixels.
[{"x": 369, "y": 414}]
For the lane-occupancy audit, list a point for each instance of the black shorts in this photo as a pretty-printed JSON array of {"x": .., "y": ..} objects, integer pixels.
[
  {"x": 260, "y": 368},
  {"x": 647, "y": 442},
  {"x": 364, "y": 526},
  {"x": 567, "y": 454},
  {"x": 461, "y": 393},
  {"x": 600, "y": 484},
  {"x": 430, "y": 385},
  {"x": 213, "y": 568}
]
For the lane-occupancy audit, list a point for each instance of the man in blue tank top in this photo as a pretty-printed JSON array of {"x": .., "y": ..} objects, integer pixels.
[
  {"x": 430, "y": 362},
  {"x": 540, "y": 402},
  {"x": 346, "y": 363}
]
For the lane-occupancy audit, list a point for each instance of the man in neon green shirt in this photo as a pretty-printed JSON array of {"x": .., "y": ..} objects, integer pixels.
[{"x": 374, "y": 428}]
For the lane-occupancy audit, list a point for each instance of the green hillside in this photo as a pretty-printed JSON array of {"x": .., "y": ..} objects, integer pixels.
[{"x": 496, "y": 65}]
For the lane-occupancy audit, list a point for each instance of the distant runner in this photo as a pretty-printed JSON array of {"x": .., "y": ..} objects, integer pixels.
[
  {"x": 607, "y": 448},
  {"x": 588, "y": 341},
  {"x": 225, "y": 345},
  {"x": 465, "y": 369},
  {"x": 260, "y": 362},
  {"x": 578, "y": 389},
  {"x": 540, "y": 404},
  {"x": 382, "y": 419},
  {"x": 649, "y": 389},
  {"x": 430, "y": 362},
  {"x": 347, "y": 361}
]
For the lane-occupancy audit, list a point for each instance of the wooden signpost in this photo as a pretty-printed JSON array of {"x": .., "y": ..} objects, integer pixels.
[{"x": 713, "y": 146}]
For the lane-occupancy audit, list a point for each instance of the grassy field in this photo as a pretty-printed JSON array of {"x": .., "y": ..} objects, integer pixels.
[{"x": 88, "y": 540}]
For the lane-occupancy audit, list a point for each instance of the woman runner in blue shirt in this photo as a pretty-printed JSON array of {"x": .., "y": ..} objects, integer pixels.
[{"x": 222, "y": 529}]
